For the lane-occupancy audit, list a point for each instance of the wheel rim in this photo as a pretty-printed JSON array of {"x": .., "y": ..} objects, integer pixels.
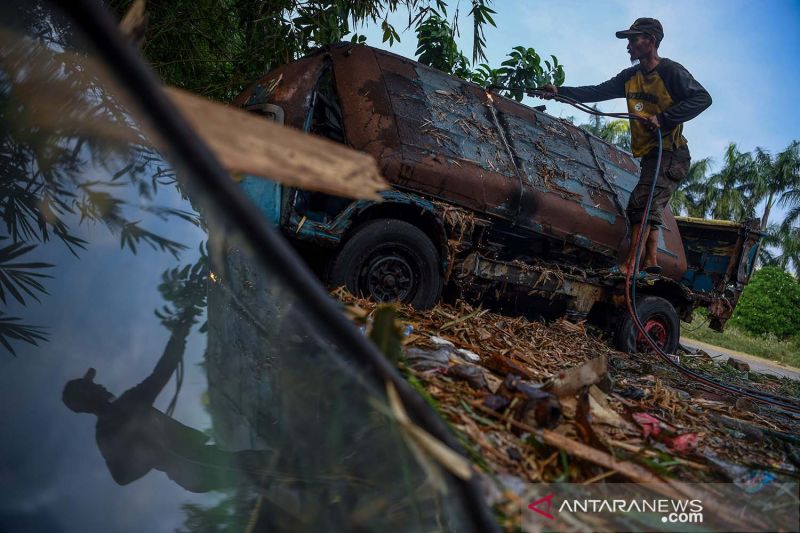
[
  {"x": 389, "y": 277},
  {"x": 658, "y": 329}
]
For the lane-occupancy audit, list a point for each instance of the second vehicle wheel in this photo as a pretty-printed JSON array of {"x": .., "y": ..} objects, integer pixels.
[
  {"x": 660, "y": 321},
  {"x": 389, "y": 260}
]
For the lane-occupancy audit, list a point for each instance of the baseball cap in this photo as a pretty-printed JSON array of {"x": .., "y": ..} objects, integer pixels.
[{"x": 648, "y": 26}]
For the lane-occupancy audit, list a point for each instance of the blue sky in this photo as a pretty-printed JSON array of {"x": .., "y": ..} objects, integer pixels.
[{"x": 744, "y": 52}]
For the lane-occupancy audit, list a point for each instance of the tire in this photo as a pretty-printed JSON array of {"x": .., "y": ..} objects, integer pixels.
[
  {"x": 389, "y": 260},
  {"x": 658, "y": 317}
]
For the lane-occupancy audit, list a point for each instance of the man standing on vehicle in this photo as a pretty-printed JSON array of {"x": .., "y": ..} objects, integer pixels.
[{"x": 663, "y": 92}]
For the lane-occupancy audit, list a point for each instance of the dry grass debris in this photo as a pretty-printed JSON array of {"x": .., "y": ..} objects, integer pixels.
[{"x": 623, "y": 417}]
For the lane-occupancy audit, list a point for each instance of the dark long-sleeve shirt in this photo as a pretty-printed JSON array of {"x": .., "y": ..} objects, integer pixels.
[{"x": 669, "y": 91}]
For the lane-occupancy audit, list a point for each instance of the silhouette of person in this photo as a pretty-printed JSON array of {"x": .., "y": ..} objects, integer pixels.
[{"x": 134, "y": 437}]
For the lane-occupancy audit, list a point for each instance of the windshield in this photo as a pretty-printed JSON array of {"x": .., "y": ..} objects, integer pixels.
[{"x": 155, "y": 373}]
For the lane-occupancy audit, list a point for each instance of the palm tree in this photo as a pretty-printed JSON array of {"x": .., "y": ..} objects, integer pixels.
[
  {"x": 729, "y": 195},
  {"x": 688, "y": 198},
  {"x": 788, "y": 169},
  {"x": 774, "y": 177},
  {"x": 616, "y": 132},
  {"x": 791, "y": 198},
  {"x": 786, "y": 240}
]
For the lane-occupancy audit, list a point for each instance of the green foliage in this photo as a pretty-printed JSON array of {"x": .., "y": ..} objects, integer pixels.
[
  {"x": 745, "y": 181},
  {"x": 770, "y": 304},
  {"x": 767, "y": 346},
  {"x": 386, "y": 333},
  {"x": 524, "y": 69},
  {"x": 787, "y": 170},
  {"x": 436, "y": 45},
  {"x": 688, "y": 197},
  {"x": 481, "y": 15},
  {"x": 11, "y": 329},
  {"x": 18, "y": 278},
  {"x": 217, "y": 47},
  {"x": 729, "y": 191},
  {"x": 184, "y": 292},
  {"x": 616, "y": 132},
  {"x": 217, "y": 518},
  {"x": 781, "y": 247}
]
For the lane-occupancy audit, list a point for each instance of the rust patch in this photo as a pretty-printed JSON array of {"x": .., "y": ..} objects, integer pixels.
[
  {"x": 289, "y": 86},
  {"x": 547, "y": 280}
]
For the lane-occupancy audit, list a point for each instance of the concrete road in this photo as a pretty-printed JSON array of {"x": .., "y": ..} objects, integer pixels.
[{"x": 757, "y": 364}]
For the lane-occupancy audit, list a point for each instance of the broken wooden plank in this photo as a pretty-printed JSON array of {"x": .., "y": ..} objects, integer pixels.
[
  {"x": 569, "y": 382},
  {"x": 248, "y": 144}
]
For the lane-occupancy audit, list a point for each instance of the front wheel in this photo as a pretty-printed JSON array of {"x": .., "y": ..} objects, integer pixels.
[
  {"x": 389, "y": 260},
  {"x": 660, "y": 321}
]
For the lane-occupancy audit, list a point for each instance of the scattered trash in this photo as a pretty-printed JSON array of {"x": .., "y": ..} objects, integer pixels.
[
  {"x": 650, "y": 424},
  {"x": 538, "y": 408},
  {"x": 496, "y": 403},
  {"x": 584, "y": 423},
  {"x": 385, "y": 332},
  {"x": 748, "y": 479},
  {"x": 438, "y": 341},
  {"x": 468, "y": 355},
  {"x": 422, "y": 360},
  {"x": 602, "y": 412},
  {"x": 663, "y": 432},
  {"x": 366, "y": 326},
  {"x": 684, "y": 443},
  {"x": 746, "y": 404},
  {"x": 629, "y": 391},
  {"x": 503, "y": 365},
  {"x": 704, "y": 356},
  {"x": 471, "y": 374}
]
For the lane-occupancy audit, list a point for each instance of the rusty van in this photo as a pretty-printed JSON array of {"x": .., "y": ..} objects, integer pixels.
[{"x": 491, "y": 200}]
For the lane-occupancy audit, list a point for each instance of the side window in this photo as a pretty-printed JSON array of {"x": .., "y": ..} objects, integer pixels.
[
  {"x": 326, "y": 121},
  {"x": 327, "y": 112}
]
